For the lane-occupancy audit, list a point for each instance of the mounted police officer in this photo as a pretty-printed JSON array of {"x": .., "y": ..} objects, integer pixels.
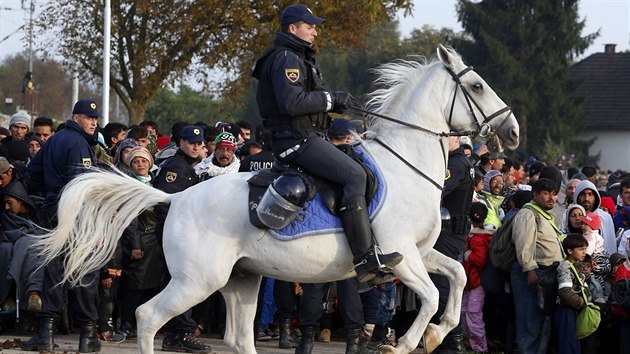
[
  {"x": 66, "y": 154},
  {"x": 294, "y": 106},
  {"x": 457, "y": 199}
]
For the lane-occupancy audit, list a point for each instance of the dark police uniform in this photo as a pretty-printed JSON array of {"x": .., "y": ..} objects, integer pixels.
[
  {"x": 65, "y": 155},
  {"x": 457, "y": 198},
  {"x": 177, "y": 174}
]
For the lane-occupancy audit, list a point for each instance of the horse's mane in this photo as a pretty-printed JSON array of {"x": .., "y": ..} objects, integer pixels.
[{"x": 393, "y": 79}]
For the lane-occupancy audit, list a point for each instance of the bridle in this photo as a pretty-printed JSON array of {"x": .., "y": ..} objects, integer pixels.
[{"x": 484, "y": 130}]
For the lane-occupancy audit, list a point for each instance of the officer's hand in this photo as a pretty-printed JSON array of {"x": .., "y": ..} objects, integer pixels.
[
  {"x": 341, "y": 101},
  {"x": 107, "y": 283}
]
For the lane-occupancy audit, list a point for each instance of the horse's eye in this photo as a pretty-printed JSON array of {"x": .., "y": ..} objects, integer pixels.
[{"x": 477, "y": 87}]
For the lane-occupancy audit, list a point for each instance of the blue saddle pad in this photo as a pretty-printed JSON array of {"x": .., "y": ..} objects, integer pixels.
[{"x": 316, "y": 219}]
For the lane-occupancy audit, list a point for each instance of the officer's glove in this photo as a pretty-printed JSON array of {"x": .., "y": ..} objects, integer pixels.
[{"x": 341, "y": 101}]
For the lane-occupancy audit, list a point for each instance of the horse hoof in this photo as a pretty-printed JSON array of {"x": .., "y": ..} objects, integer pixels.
[
  {"x": 388, "y": 349},
  {"x": 430, "y": 338}
]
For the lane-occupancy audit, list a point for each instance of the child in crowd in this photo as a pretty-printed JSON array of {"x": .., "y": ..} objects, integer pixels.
[
  {"x": 623, "y": 316},
  {"x": 570, "y": 298},
  {"x": 591, "y": 223},
  {"x": 474, "y": 262}
]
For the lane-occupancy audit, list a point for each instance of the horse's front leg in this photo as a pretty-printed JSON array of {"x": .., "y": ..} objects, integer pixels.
[
  {"x": 412, "y": 272},
  {"x": 437, "y": 263}
]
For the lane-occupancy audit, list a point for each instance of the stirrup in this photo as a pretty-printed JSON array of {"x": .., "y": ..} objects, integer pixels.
[{"x": 385, "y": 268}]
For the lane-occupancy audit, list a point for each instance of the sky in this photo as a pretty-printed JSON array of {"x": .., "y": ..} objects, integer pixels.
[{"x": 612, "y": 17}]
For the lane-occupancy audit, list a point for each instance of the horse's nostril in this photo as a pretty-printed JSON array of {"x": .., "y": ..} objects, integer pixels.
[{"x": 514, "y": 133}]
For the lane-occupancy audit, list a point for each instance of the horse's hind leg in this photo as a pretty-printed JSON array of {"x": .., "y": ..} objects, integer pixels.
[
  {"x": 412, "y": 273},
  {"x": 437, "y": 263},
  {"x": 241, "y": 297},
  {"x": 178, "y": 296}
]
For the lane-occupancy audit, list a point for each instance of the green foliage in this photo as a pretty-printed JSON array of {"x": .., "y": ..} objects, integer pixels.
[
  {"x": 524, "y": 49},
  {"x": 184, "y": 105},
  {"x": 157, "y": 42}
]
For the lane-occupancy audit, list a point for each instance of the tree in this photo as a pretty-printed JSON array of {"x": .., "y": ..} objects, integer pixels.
[
  {"x": 154, "y": 42},
  {"x": 52, "y": 83},
  {"x": 184, "y": 105},
  {"x": 524, "y": 49}
]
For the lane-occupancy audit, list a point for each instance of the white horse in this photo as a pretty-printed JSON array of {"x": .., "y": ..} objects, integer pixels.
[{"x": 210, "y": 244}]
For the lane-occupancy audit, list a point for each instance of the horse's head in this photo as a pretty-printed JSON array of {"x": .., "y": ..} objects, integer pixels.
[{"x": 475, "y": 106}]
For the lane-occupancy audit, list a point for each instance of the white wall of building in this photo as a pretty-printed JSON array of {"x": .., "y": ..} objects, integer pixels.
[{"x": 613, "y": 147}]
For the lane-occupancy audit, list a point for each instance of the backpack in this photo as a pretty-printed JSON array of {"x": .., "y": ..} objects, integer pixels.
[
  {"x": 502, "y": 253},
  {"x": 621, "y": 293}
]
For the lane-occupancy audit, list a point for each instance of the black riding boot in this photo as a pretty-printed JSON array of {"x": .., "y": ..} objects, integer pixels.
[
  {"x": 43, "y": 340},
  {"x": 88, "y": 341},
  {"x": 353, "y": 341},
  {"x": 452, "y": 344},
  {"x": 287, "y": 338},
  {"x": 307, "y": 342},
  {"x": 356, "y": 225}
]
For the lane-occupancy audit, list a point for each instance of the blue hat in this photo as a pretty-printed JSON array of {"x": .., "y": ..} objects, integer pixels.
[
  {"x": 298, "y": 12},
  {"x": 340, "y": 127},
  {"x": 87, "y": 107},
  {"x": 192, "y": 134}
]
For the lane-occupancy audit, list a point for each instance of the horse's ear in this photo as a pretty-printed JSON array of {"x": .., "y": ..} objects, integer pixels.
[{"x": 444, "y": 56}]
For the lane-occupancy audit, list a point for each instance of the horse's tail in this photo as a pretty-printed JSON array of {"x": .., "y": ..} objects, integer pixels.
[{"x": 94, "y": 210}]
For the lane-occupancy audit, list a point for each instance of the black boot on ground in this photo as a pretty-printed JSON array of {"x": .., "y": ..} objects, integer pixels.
[
  {"x": 452, "y": 344},
  {"x": 353, "y": 340},
  {"x": 88, "y": 341},
  {"x": 356, "y": 225},
  {"x": 307, "y": 341},
  {"x": 184, "y": 343},
  {"x": 288, "y": 339},
  {"x": 43, "y": 340}
]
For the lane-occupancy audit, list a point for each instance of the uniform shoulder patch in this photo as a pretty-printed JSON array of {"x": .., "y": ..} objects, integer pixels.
[
  {"x": 448, "y": 174},
  {"x": 170, "y": 177},
  {"x": 293, "y": 75},
  {"x": 87, "y": 162}
]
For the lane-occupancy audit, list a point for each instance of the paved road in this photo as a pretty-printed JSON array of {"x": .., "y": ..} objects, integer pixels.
[{"x": 70, "y": 343}]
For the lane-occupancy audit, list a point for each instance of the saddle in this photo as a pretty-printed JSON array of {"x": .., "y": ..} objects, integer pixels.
[{"x": 329, "y": 192}]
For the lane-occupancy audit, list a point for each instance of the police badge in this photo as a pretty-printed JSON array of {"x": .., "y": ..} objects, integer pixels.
[
  {"x": 170, "y": 177},
  {"x": 293, "y": 75},
  {"x": 87, "y": 162}
]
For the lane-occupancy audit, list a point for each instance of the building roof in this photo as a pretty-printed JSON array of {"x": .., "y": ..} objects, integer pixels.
[{"x": 603, "y": 82}]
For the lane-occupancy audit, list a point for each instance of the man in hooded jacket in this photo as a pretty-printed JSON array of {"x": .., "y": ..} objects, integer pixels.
[{"x": 586, "y": 195}]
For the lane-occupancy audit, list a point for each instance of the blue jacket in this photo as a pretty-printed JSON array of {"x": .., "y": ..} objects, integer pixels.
[{"x": 65, "y": 155}]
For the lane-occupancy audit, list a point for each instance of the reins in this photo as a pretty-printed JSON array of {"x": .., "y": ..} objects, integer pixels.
[{"x": 484, "y": 129}]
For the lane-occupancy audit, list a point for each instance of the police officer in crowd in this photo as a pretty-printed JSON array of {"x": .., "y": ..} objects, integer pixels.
[
  {"x": 177, "y": 174},
  {"x": 457, "y": 199},
  {"x": 65, "y": 155},
  {"x": 294, "y": 105}
]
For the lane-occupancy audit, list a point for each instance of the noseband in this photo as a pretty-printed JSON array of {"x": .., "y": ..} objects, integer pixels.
[{"x": 484, "y": 130}]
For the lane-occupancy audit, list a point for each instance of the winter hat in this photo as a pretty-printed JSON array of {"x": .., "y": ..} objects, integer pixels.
[
  {"x": 616, "y": 258},
  {"x": 20, "y": 117},
  {"x": 225, "y": 139},
  {"x": 488, "y": 177},
  {"x": 17, "y": 191},
  {"x": 593, "y": 220},
  {"x": 535, "y": 168},
  {"x": 122, "y": 146},
  {"x": 17, "y": 150},
  {"x": 609, "y": 204},
  {"x": 162, "y": 141},
  {"x": 4, "y": 165},
  {"x": 139, "y": 151},
  {"x": 552, "y": 173}
]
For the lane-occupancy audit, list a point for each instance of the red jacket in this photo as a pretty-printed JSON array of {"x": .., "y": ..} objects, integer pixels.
[{"x": 476, "y": 255}]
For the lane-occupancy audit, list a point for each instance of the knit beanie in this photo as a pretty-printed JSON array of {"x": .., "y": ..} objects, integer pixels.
[
  {"x": 609, "y": 204},
  {"x": 225, "y": 139},
  {"x": 21, "y": 117},
  {"x": 139, "y": 151},
  {"x": 488, "y": 177}
]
